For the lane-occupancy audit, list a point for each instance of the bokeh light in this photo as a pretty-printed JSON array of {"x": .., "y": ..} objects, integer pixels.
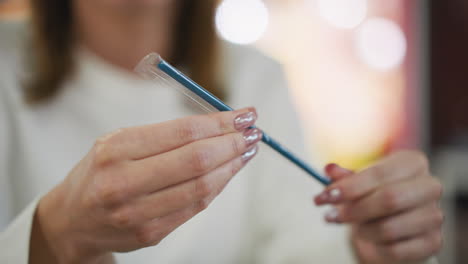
[
  {"x": 241, "y": 21},
  {"x": 343, "y": 13},
  {"x": 352, "y": 107},
  {"x": 381, "y": 44}
]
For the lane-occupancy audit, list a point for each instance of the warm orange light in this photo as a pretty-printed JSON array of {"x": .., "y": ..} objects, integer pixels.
[
  {"x": 352, "y": 111},
  {"x": 14, "y": 9}
]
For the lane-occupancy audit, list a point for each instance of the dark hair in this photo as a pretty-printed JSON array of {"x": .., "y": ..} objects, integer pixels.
[{"x": 53, "y": 37}]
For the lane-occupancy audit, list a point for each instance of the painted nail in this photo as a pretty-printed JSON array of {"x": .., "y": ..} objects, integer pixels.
[
  {"x": 245, "y": 120},
  {"x": 252, "y": 136},
  {"x": 334, "y": 195},
  {"x": 332, "y": 215},
  {"x": 330, "y": 167},
  {"x": 336, "y": 169},
  {"x": 249, "y": 154},
  {"x": 322, "y": 198},
  {"x": 329, "y": 196}
]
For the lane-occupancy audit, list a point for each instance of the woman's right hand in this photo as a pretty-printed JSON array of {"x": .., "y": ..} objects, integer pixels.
[{"x": 137, "y": 185}]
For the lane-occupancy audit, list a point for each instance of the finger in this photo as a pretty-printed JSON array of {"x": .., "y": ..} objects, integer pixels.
[
  {"x": 336, "y": 173},
  {"x": 415, "y": 249},
  {"x": 404, "y": 226},
  {"x": 394, "y": 168},
  {"x": 392, "y": 199},
  {"x": 145, "y": 141},
  {"x": 153, "y": 232},
  {"x": 196, "y": 190},
  {"x": 177, "y": 197},
  {"x": 188, "y": 162}
]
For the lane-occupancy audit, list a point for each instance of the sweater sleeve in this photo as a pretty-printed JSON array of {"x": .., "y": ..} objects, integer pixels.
[
  {"x": 5, "y": 187},
  {"x": 14, "y": 241},
  {"x": 14, "y": 231},
  {"x": 14, "y": 234}
]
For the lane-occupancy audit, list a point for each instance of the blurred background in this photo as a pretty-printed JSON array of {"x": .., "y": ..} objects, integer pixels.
[{"x": 368, "y": 77}]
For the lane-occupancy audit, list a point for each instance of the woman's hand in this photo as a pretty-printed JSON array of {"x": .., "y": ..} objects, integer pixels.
[
  {"x": 392, "y": 206},
  {"x": 139, "y": 184}
]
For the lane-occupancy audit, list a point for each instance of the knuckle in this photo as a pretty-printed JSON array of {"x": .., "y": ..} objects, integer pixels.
[
  {"x": 190, "y": 131},
  {"x": 387, "y": 231},
  {"x": 103, "y": 150},
  {"x": 378, "y": 173},
  {"x": 395, "y": 253},
  {"x": 349, "y": 191},
  {"x": 200, "y": 160},
  {"x": 148, "y": 238},
  {"x": 187, "y": 197},
  {"x": 391, "y": 200},
  {"x": 419, "y": 159},
  {"x": 237, "y": 145},
  {"x": 203, "y": 187},
  {"x": 221, "y": 124},
  {"x": 109, "y": 191},
  {"x": 121, "y": 219},
  {"x": 202, "y": 205}
]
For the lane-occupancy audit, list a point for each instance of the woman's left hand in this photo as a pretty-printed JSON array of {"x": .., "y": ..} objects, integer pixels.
[{"x": 393, "y": 207}]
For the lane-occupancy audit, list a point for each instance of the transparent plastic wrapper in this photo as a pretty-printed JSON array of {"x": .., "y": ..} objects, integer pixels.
[{"x": 157, "y": 70}]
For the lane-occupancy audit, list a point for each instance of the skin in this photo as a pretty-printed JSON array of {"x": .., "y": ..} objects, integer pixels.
[
  {"x": 138, "y": 184},
  {"x": 98, "y": 210},
  {"x": 392, "y": 208},
  {"x": 124, "y": 31}
]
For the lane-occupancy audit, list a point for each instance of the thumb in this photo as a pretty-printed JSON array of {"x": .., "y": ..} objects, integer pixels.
[{"x": 335, "y": 172}]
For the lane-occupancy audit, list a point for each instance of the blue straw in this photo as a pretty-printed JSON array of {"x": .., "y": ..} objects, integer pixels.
[{"x": 221, "y": 106}]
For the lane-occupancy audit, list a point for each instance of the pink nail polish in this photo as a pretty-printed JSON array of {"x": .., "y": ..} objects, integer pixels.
[
  {"x": 245, "y": 120},
  {"x": 329, "y": 196},
  {"x": 252, "y": 136},
  {"x": 330, "y": 167},
  {"x": 249, "y": 154},
  {"x": 323, "y": 198},
  {"x": 332, "y": 215},
  {"x": 334, "y": 195}
]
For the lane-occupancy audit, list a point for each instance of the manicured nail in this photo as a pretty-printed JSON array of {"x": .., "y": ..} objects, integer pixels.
[
  {"x": 336, "y": 169},
  {"x": 334, "y": 195},
  {"x": 330, "y": 167},
  {"x": 252, "y": 136},
  {"x": 245, "y": 120},
  {"x": 332, "y": 216},
  {"x": 249, "y": 154},
  {"x": 329, "y": 196},
  {"x": 322, "y": 198}
]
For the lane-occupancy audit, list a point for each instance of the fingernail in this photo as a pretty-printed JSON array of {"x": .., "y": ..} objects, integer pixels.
[
  {"x": 245, "y": 120},
  {"x": 335, "y": 168},
  {"x": 332, "y": 215},
  {"x": 329, "y": 196},
  {"x": 249, "y": 154},
  {"x": 335, "y": 195},
  {"x": 252, "y": 136},
  {"x": 322, "y": 198},
  {"x": 330, "y": 167}
]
